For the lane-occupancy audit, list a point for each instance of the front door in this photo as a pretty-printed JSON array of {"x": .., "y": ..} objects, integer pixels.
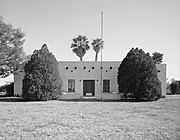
[{"x": 88, "y": 87}]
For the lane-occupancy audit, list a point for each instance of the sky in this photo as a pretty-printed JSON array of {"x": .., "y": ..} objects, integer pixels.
[{"x": 151, "y": 25}]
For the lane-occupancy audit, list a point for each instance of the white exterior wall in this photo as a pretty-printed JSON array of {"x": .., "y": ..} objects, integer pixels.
[{"x": 81, "y": 74}]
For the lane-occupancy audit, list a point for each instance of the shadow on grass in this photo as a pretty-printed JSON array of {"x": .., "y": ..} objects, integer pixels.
[
  {"x": 120, "y": 100},
  {"x": 11, "y": 99},
  {"x": 20, "y": 99}
]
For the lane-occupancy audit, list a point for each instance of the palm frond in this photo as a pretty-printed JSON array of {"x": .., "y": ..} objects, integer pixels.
[{"x": 97, "y": 44}]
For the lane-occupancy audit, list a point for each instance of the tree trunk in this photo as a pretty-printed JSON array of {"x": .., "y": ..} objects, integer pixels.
[
  {"x": 81, "y": 59},
  {"x": 96, "y": 56}
]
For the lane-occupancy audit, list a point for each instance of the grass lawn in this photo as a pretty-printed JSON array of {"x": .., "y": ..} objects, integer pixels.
[{"x": 157, "y": 120}]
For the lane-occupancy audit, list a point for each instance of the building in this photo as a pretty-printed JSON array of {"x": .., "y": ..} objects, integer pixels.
[{"x": 82, "y": 79}]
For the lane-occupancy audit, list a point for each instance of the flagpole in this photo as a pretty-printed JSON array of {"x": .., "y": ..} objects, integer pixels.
[{"x": 101, "y": 53}]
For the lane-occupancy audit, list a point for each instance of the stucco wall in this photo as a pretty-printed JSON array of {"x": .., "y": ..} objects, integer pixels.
[
  {"x": 75, "y": 70},
  {"x": 89, "y": 71}
]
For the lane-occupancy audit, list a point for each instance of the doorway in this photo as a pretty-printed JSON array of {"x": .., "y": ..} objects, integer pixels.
[{"x": 88, "y": 87}]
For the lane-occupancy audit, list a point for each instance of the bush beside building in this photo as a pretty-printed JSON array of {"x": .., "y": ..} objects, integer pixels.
[
  {"x": 137, "y": 77},
  {"x": 41, "y": 77}
]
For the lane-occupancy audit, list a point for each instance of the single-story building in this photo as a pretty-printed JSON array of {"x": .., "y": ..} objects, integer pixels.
[{"x": 83, "y": 79}]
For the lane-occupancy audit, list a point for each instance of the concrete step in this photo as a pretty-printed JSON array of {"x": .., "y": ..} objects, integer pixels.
[{"x": 89, "y": 98}]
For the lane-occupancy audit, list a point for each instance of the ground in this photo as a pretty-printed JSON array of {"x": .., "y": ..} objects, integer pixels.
[{"x": 157, "y": 120}]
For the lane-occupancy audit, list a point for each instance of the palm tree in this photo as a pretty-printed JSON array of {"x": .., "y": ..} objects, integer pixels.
[
  {"x": 97, "y": 44},
  {"x": 80, "y": 45}
]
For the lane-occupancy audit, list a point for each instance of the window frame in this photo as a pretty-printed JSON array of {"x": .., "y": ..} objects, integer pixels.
[
  {"x": 71, "y": 85},
  {"x": 106, "y": 85}
]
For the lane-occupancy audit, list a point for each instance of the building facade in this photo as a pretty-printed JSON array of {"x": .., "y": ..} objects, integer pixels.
[{"x": 84, "y": 79}]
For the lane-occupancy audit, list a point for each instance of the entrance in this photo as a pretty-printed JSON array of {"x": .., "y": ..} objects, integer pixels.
[{"x": 88, "y": 87}]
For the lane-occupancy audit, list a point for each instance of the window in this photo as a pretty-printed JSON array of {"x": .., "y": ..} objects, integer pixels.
[
  {"x": 71, "y": 85},
  {"x": 106, "y": 85}
]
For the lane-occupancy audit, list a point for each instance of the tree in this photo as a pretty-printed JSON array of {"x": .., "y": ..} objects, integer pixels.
[
  {"x": 41, "y": 80},
  {"x": 80, "y": 45},
  {"x": 11, "y": 50},
  {"x": 175, "y": 86},
  {"x": 157, "y": 57},
  {"x": 97, "y": 44},
  {"x": 137, "y": 76},
  {"x": 168, "y": 91}
]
